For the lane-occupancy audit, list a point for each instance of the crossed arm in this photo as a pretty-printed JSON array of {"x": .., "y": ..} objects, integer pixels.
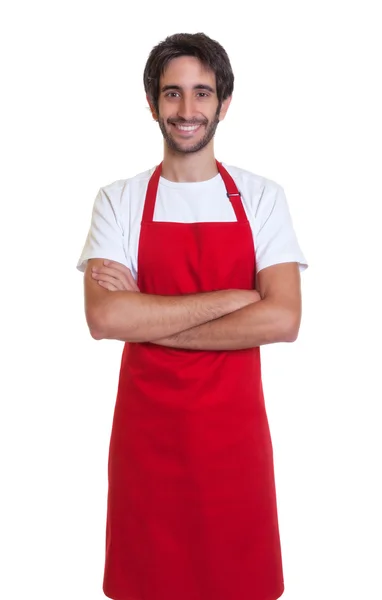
[
  {"x": 222, "y": 320},
  {"x": 274, "y": 317}
]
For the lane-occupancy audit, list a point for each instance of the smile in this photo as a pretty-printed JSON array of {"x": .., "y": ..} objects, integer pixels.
[
  {"x": 186, "y": 131},
  {"x": 187, "y": 127}
]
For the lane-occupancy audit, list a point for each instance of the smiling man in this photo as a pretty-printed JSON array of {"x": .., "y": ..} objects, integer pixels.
[
  {"x": 194, "y": 264},
  {"x": 197, "y": 128}
]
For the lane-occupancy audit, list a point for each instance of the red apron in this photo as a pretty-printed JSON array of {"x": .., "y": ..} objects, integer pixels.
[{"x": 192, "y": 505}]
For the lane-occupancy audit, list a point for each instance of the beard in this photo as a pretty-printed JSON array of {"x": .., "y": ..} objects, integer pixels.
[{"x": 209, "y": 133}]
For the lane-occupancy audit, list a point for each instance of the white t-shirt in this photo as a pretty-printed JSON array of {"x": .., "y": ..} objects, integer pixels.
[{"x": 118, "y": 207}]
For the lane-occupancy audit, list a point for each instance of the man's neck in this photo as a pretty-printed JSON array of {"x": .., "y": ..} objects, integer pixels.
[{"x": 192, "y": 167}]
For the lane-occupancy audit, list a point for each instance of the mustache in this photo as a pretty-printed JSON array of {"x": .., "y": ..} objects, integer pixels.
[{"x": 184, "y": 122}]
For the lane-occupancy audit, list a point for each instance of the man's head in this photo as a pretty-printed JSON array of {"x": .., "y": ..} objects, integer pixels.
[{"x": 188, "y": 81}]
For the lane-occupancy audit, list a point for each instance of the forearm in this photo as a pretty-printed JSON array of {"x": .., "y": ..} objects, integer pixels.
[
  {"x": 137, "y": 317},
  {"x": 257, "y": 324}
]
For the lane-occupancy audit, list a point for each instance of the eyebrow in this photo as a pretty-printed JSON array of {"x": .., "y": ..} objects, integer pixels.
[{"x": 200, "y": 86}]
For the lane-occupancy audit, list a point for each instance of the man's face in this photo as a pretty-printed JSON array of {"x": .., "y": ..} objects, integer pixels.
[{"x": 188, "y": 105}]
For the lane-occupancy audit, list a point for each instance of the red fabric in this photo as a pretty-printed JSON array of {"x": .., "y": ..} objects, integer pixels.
[{"x": 192, "y": 509}]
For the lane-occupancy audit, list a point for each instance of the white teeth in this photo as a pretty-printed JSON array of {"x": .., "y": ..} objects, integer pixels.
[{"x": 187, "y": 128}]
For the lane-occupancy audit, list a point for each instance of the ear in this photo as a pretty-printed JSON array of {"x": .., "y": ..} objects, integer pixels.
[
  {"x": 224, "y": 107},
  {"x": 152, "y": 109}
]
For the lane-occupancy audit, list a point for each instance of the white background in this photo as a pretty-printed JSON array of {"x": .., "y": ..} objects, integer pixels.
[{"x": 307, "y": 114}]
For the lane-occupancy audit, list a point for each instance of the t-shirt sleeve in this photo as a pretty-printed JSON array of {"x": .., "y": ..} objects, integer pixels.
[
  {"x": 105, "y": 238},
  {"x": 275, "y": 239}
]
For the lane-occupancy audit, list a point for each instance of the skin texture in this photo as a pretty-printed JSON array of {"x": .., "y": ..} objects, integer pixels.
[
  {"x": 274, "y": 315},
  {"x": 128, "y": 315},
  {"x": 188, "y": 96},
  {"x": 197, "y": 99}
]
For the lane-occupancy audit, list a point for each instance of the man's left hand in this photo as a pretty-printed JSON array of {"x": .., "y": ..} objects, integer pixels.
[{"x": 115, "y": 277}]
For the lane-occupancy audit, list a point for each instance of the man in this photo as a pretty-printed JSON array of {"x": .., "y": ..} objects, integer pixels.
[{"x": 194, "y": 265}]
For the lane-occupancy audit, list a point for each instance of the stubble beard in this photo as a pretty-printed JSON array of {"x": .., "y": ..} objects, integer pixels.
[{"x": 173, "y": 145}]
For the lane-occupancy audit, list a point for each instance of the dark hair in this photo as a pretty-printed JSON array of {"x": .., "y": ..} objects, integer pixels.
[{"x": 208, "y": 51}]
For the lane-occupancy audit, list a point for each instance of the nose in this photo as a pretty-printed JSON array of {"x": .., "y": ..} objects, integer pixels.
[{"x": 186, "y": 108}]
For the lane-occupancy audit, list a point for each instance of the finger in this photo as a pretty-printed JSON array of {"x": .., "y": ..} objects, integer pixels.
[
  {"x": 108, "y": 279},
  {"x": 108, "y": 286},
  {"x": 119, "y": 272},
  {"x": 121, "y": 268},
  {"x": 113, "y": 272},
  {"x": 133, "y": 286},
  {"x": 119, "y": 283},
  {"x": 132, "y": 281},
  {"x": 112, "y": 264}
]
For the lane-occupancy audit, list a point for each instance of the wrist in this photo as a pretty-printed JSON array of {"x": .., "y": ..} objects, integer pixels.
[{"x": 240, "y": 298}]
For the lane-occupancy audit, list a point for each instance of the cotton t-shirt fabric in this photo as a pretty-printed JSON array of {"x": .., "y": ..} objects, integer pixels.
[{"x": 118, "y": 208}]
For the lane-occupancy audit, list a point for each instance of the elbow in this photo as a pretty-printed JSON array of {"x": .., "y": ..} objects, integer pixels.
[
  {"x": 291, "y": 328},
  {"x": 103, "y": 325},
  {"x": 96, "y": 333},
  {"x": 97, "y": 325},
  {"x": 291, "y": 335}
]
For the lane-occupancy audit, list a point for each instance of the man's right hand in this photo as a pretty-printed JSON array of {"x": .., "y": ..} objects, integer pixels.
[
  {"x": 138, "y": 317},
  {"x": 114, "y": 277},
  {"x": 256, "y": 296}
]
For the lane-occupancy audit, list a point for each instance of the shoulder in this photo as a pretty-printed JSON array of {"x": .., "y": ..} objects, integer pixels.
[
  {"x": 252, "y": 181},
  {"x": 260, "y": 193},
  {"x": 118, "y": 186},
  {"x": 118, "y": 192}
]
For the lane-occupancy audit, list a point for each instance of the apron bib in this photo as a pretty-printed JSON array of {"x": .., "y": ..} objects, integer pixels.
[{"x": 192, "y": 509}]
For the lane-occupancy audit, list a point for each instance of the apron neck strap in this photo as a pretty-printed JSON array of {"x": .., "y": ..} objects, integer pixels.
[
  {"x": 151, "y": 194},
  {"x": 233, "y": 194}
]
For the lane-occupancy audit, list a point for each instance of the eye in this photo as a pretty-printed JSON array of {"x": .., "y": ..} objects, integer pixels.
[
  {"x": 172, "y": 94},
  {"x": 203, "y": 94}
]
